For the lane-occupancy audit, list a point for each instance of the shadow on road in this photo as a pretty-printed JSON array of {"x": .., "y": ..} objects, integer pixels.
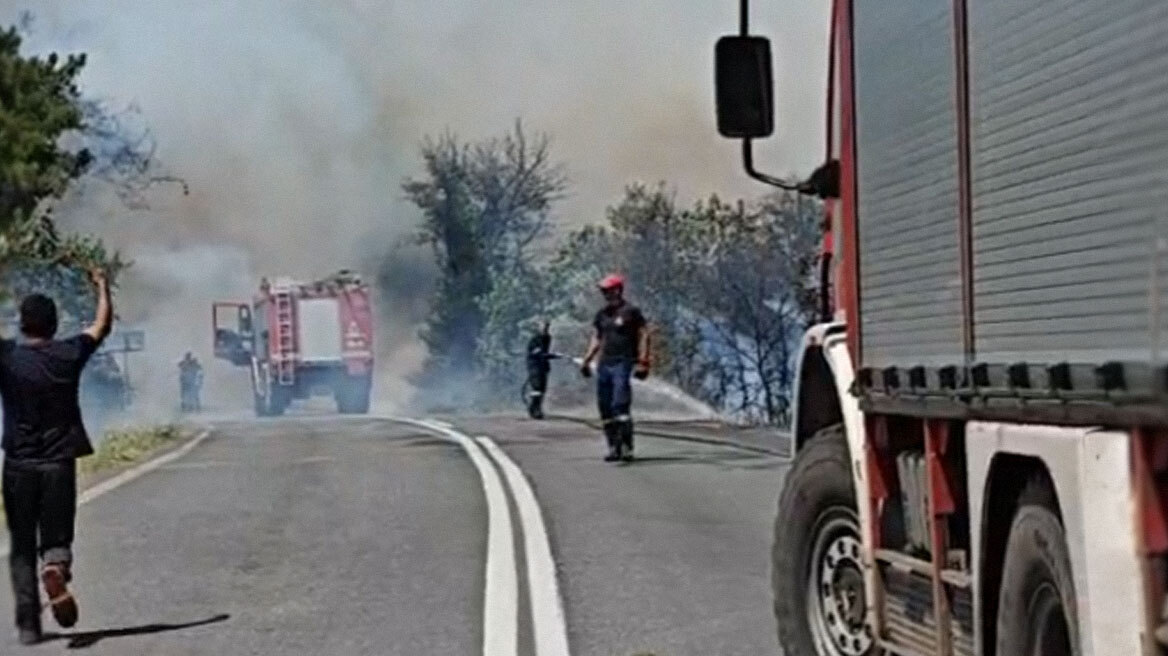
[{"x": 83, "y": 639}]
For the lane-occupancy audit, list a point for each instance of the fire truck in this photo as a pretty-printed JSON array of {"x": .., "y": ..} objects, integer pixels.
[
  {"x": 981, "y": 419},
  {"x": 301, "y": 339}
]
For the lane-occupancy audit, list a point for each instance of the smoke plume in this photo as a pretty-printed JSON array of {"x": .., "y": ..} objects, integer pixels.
[{"x": 294, "y": 123}]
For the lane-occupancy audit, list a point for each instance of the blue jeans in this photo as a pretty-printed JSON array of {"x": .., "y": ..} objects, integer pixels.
[{"x": 614, "y": 396}]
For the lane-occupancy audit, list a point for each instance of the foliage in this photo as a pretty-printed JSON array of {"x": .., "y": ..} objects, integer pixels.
[
  {"x": 39, "y": 102},
  {"x": 727, "y": 289},
  {"x": 483, "y": 204},
  {"x": 128, "y": 446},
  {"x": 51, "y": 137}
]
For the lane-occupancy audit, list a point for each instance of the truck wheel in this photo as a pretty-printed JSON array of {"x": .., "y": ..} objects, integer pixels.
[
  {"x": 1036, "y": 609},
  {"x": 279, "y": 398},
  {"x": 816, "y": 572},
  {"x": 352, "y": 395}
]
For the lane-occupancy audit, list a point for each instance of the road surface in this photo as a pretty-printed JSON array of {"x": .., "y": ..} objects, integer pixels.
[{"x": 322, "y": 535}]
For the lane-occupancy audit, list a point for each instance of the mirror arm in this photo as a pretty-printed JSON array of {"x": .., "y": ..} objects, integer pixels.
[{"x": 748, "y": 162}]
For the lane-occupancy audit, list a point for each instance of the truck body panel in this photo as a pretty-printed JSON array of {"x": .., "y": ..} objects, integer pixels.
[
  {"x": 318, "y": 330},
  {"x": 1068, "y": 160},
  {"x": 906, "y": 148}
]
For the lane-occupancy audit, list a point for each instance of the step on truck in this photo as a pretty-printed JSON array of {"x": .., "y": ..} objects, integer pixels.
[
  {"x": 301, "y": 339},
  {"x": 981, "y": 417}
]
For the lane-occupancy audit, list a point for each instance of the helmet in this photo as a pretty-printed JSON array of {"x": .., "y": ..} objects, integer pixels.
[{"x": 612, "y": 281}]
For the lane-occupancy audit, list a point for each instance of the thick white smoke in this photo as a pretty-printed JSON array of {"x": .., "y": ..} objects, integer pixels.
[{"x": 295, "y": 121}]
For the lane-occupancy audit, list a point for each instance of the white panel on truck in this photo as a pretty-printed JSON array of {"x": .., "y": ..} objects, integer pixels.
[
  {"x": 906, "y": 135},
  {"x": 1069, "y": 129},
  {"x": 319, "y": 329}
]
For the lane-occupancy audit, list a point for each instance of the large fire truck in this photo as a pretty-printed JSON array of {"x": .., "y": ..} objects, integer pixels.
[
  {"x": 301, "y": 339},
  {"x": 982, "y": 418}
]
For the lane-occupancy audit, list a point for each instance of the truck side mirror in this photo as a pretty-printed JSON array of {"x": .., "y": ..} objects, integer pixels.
[{"x": 744, "y": 87}]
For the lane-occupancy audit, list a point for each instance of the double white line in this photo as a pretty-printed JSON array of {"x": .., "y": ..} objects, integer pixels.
[{"x": 501, "y": 600}]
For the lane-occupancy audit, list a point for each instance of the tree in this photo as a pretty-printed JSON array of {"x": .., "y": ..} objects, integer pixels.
[
  {"x": 39, "y": 102},
  {"x": 483, "y": 205},
  {"x": 727, "y": 289},
  {"x": 52, "y": 138}
]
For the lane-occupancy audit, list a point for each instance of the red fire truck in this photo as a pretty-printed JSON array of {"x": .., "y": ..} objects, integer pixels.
[
  {"x": 982, "y": 416},
  {"x": 301, "y": 339}
]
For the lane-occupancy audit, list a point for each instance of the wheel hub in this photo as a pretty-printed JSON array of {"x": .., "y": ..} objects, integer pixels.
[{"x": 837, "y": 604}]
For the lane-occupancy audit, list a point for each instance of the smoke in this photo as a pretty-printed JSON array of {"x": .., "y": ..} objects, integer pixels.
[{"x": 294, "y": 123}]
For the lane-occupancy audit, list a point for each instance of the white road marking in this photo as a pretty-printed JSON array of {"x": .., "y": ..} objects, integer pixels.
[
  {"x": 547, "y": 608},
  {"x": 134, "y": 472},
  {"x": 130, "y": 474},
  {"x": 501, "y": 599}
]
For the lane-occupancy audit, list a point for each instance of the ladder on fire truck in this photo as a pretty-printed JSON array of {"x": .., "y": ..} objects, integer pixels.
[{"x": 285, "y": 359}]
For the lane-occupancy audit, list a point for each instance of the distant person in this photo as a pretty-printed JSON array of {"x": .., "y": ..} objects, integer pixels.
[
  {"x": 190, "y": 380},
  {"x": 621, "y": 340},
  {"x": 539, "y": 357},
  {"x": 43, "y": 438}
]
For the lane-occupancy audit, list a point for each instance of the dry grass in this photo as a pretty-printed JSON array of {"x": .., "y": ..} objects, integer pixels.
[{"x": 127, "y": 446}]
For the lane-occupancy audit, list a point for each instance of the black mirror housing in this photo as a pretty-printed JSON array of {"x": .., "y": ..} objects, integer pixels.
[{"x": 744, "y": 87}]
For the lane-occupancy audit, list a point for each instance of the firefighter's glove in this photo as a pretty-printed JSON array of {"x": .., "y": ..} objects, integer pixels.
[{"x": 641, "y": 371}]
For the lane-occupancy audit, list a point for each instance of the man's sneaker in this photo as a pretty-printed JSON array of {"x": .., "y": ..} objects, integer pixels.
[
  {"x": 611, "y": 456},
  {"x": 627, "y": 456},
  {"x": 64, "y": 606}
]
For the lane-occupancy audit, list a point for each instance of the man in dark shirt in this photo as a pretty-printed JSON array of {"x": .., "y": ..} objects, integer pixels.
[
  {"x": 43, "y": 437},
  {"x": 621, "y": 340},
  {"x": 539, "y": 357}
]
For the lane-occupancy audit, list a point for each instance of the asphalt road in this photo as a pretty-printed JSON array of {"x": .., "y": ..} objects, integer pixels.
[{"x": 322, "y": 535}]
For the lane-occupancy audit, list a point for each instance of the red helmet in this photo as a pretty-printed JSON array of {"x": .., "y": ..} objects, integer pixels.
[{"x": 612, "y": 281}]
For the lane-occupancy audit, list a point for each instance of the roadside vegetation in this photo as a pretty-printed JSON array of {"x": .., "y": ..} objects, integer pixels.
[
  {"x": 124, "y": 447},
  {"x": 729, "y": 286}
]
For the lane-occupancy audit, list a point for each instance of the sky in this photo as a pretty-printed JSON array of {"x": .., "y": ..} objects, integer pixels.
[{"x": 295, "y": 122}]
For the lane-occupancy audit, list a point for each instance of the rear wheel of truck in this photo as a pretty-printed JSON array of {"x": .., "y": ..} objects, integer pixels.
[
  {"x": 279, "y": 398},
  {"x": 1036, "y": 608},
  {"x": 816, "y": 573},
  {"x": 352, "y": 394}
]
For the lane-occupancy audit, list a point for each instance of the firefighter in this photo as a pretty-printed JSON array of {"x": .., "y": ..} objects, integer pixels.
[
  {"x": 190, "y": 378},
  {"x": 620, "y": 347},
  {"x": 539, "y": 357}
]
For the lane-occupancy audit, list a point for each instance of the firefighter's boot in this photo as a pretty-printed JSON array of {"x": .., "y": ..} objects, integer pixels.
[
  {"x": 612, "y": 436},
  {"x": 626, "y": 439}
]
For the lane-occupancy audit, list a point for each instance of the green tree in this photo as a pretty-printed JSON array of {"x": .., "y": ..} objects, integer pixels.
[{"x": 483, "y": 205}]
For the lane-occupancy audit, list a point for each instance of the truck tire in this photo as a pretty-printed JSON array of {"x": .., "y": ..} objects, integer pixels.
[
  {"x": 279, "y": 398},
  {"x": 261, "y": 404},
  {"x": 352, "y": 395},
  {"x": 1036, "y": 608},
  {"x": 816, "y": 572}
]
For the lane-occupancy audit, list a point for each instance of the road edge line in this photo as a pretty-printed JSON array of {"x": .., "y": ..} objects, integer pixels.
[
  {"x": 549, "y": 624},
  {"x": 501, "y": 596},
  {"x": 110, "y": 484}
]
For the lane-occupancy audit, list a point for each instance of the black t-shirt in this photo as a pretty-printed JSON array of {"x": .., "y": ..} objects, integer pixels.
[
  {"x": 39, "y": 385},
  {"x": 619, "y": 329}
]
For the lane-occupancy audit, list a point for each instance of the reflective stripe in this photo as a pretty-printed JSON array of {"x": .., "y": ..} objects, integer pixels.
[
  {"x": 622, "y": 419},
  {"x": 537, "y": 393}
]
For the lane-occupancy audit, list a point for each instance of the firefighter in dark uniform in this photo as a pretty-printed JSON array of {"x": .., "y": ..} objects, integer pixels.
[
  {"x": 190, "y": 377},
  {"x": 620, "y": 347},
  {"x": 539, "y": 357}
]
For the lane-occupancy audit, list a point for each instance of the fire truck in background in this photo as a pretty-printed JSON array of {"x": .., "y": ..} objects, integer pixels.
[
  {"x": 301, "y": 339},
  {"x": 982, "y": 418}
]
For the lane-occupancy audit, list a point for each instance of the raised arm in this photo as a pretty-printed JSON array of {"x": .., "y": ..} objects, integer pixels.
[{"x": 102, "y": 324}]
